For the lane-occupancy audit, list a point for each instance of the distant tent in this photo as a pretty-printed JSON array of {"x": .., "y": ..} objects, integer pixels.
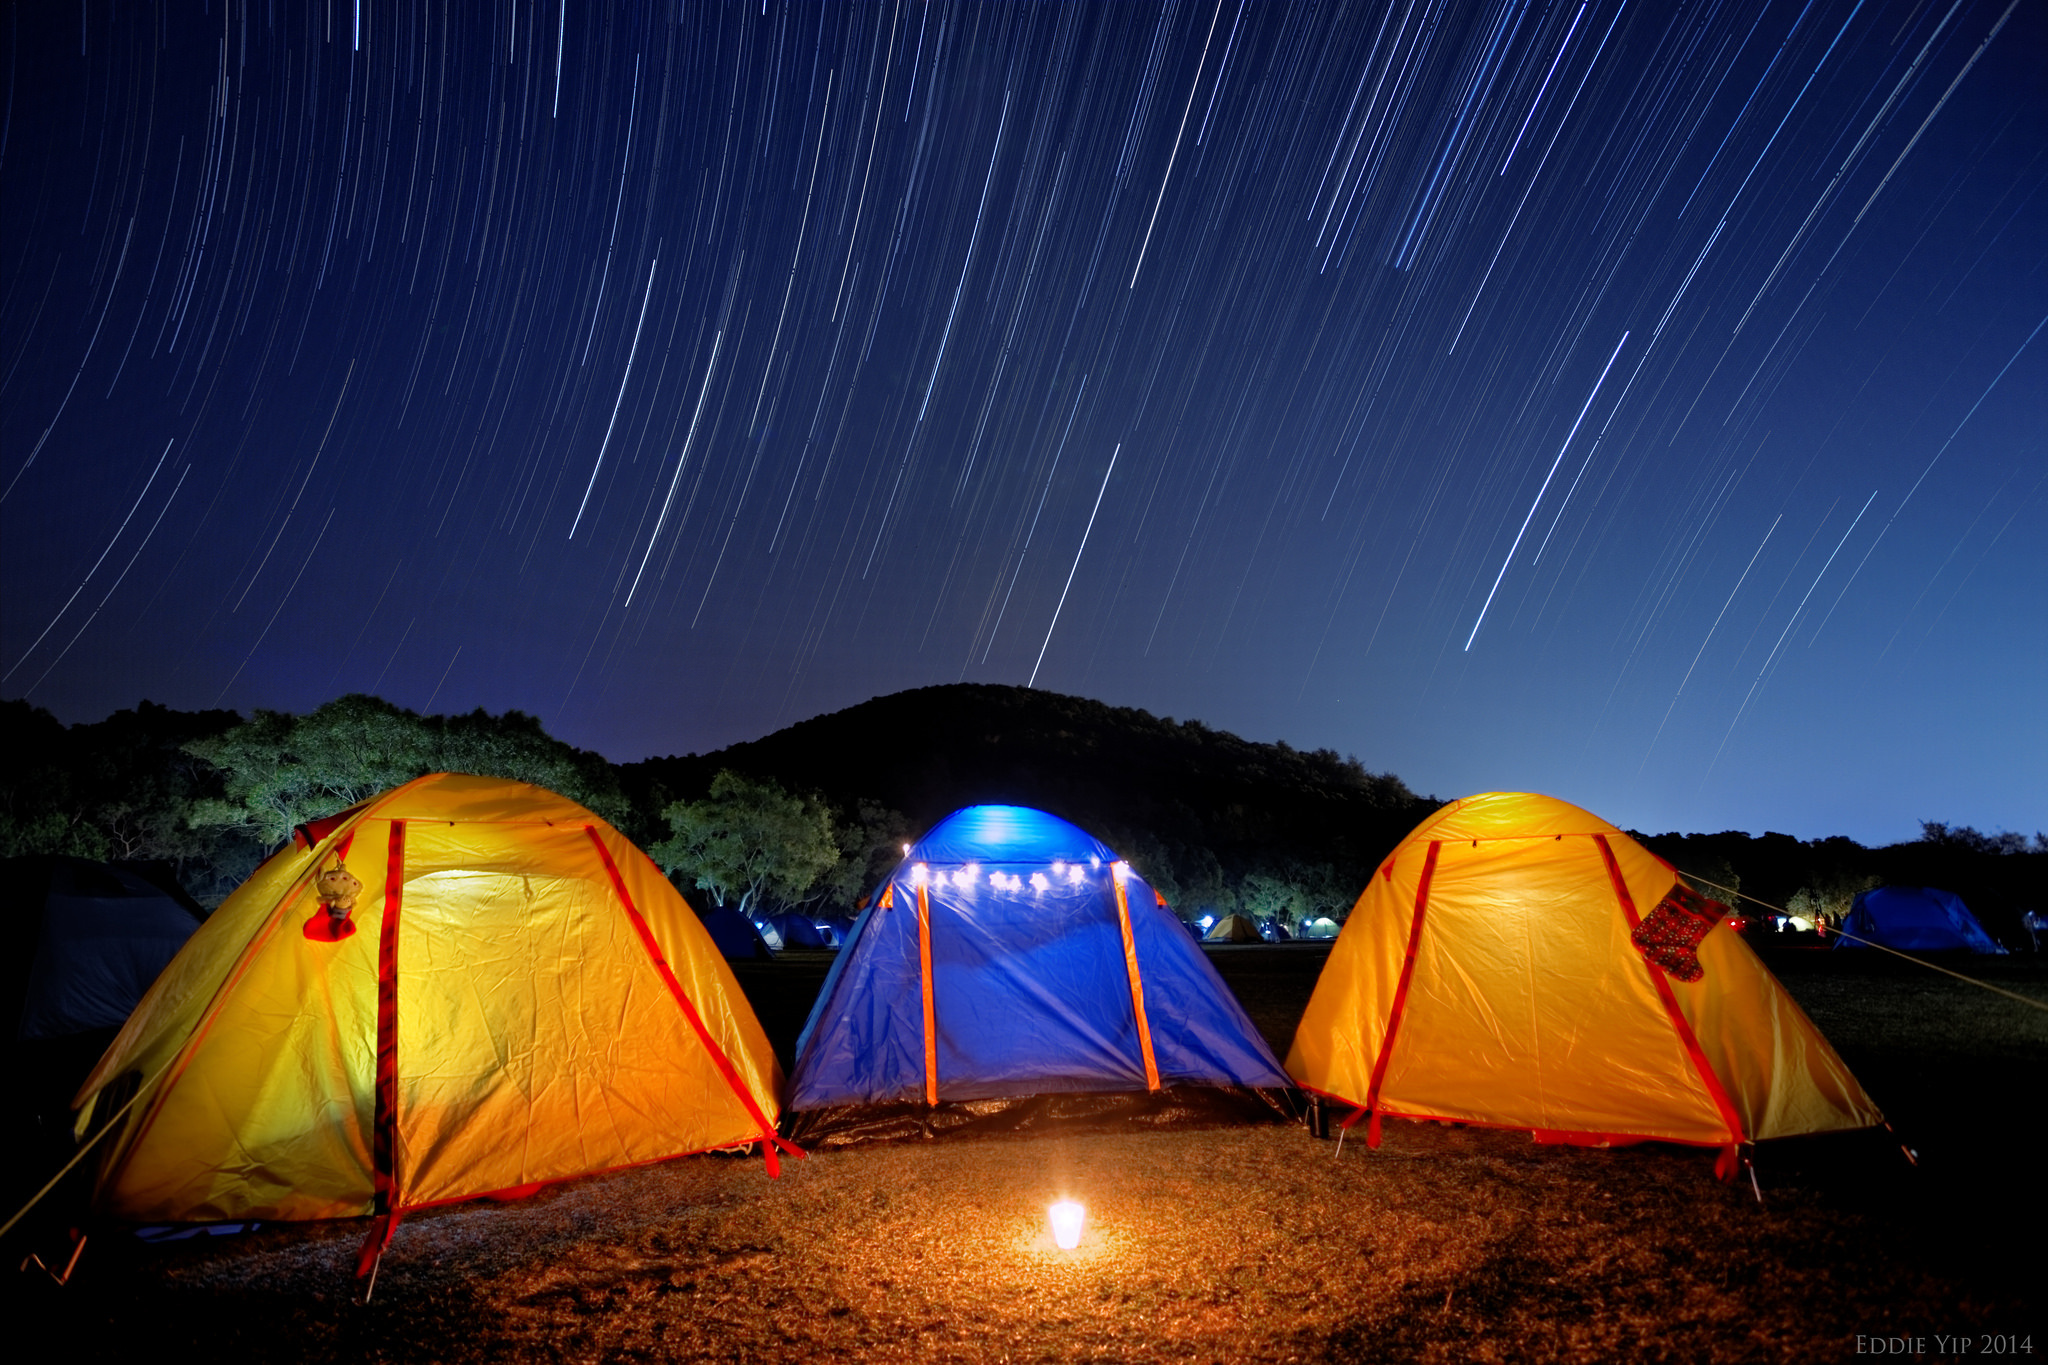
[
  {"x": 87, "y": 940},
  {"x": 1273, "y": 932},
  {"x": 1233, "y": 929},
  {"x": 1914, "y": 919},
  {"x": 835, "y": 928},
  {"x": 1014, "y": 973},
  {"x": 1322, "y": 926},
  {"x": 791, "y": 931},
  {"x": 733, "y": 933},
  {"x": 1490, "y": 974},
  {"x": 511, "y": 994}
]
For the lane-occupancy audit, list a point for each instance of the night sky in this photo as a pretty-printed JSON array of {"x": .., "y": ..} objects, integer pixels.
[{"x": 1645, "y": 404}]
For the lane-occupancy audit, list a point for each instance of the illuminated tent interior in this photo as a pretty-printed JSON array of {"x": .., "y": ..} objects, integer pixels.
[
  {"x": 1914, "y": 919},
  {"x": 1014, "y": 974},
  {"x": 510, "y": 994},
  {"x": 1490, "y": 974}
]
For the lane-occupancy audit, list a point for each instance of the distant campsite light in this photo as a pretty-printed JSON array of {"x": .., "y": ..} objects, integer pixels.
[
  {"x": 1121, "y": 871},
  {"x": 1059, "y": 867},
  {"x": 1066, "y": 1224},
  {"x": 1039, "y": 882},
  {"x": 906, "y": 850},
  {"x": 1208, "y": 921},
  {"x": 919, "y": 874},
  {"x": 1075, "y": 874}
]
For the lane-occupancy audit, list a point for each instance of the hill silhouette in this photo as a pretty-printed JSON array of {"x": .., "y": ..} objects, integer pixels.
[{"x": 1197, "y": 810}]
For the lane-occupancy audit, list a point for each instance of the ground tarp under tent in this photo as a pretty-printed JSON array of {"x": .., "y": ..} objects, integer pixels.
[
  {"x": 1914, "y": 919},
  {"x": 1491, "y": 974},
  {"x": 496, "y": 991},
  {"x": 1014, "y": 974}
]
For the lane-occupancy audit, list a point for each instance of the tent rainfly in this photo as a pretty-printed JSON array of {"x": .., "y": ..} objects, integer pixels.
[
  {"x": 1012, "y": 973},
  {"x": 462, "y": 987},
  {"x": 1914, "y": 919},
  {"x": 1503, "y": 968}
]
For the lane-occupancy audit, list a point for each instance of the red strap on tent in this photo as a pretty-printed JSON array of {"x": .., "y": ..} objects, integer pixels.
[
  {"x": 309, "y": 835},
  {"x": 769, "y": 1139},
  {"x": 1379, "y": 1066},
  {"x": 1671, "y": 1010},
  {"x": 1123, "y": 921},
  {"x": 384, "y": 1127},
  {"x": 931, "y": 1028}
]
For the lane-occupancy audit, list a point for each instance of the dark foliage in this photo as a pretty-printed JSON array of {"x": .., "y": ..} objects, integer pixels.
[{"x": 1196, "y": 810}]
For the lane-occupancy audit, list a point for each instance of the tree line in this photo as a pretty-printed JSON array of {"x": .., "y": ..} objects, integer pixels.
[{"x": 814, "y": 815}]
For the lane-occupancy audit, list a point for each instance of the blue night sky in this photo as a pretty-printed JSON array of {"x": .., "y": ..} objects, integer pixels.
[{"x": 1642, "y": 404}]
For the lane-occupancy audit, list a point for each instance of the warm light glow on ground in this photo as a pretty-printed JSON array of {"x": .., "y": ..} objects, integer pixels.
[{"x": 1066, "y": 1224}]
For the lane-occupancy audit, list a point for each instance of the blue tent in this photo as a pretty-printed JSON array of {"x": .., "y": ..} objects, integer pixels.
[
  {"x": 1014, "y": 972},
  {"x": 1914, "y": 918},
  {"x": 733, "y": 933},
  {"x": 791, "y": 930}
]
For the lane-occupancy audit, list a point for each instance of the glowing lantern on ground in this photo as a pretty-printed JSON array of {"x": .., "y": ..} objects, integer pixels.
[{"x": 1066, "y": 1224}]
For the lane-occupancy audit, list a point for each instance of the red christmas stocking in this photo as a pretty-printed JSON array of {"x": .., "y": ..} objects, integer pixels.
[{"x": 1670, "y": 935}]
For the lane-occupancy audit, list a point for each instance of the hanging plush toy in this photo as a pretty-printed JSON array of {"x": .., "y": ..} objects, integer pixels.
[
  {"x": 338, "y": 889},
  {"x": 1670, "y": 935}
]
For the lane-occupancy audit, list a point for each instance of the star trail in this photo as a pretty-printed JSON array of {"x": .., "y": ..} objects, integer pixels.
[{"x": 1641, "y": 404}]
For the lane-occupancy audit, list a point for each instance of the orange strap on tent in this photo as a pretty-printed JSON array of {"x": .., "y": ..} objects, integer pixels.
[
  {"x": 1379, "y": 1066},
  {"x": 1677, "y": 1017},
  {"x": 770, "y": 1140},
  {"x": 931, "y": 1029},
  {"x": 1123, "y": 922},
  {"x": 384, "y": 1129}
]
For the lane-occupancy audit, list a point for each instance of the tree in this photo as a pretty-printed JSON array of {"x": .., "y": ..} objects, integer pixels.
[
  {"x": 870, "y": 845},
  {"x": 281, "y": 770},
  {"x": 748, "y": 841}
]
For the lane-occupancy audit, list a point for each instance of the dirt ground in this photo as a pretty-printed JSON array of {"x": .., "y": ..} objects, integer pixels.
[{"x": 1245, "y": 1244}]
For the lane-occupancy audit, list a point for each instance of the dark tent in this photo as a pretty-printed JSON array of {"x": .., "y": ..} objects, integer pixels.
[
  {"x": 89, "y": 938},
  {"x": 1914, "y": 918},
  {"x": 734, "y": 933},
  {"x": 790, "y": 930},
  {"x": 1014, "y": 973}
]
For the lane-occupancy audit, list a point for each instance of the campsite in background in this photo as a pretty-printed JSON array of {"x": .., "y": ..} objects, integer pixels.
[{"x": 1219, "y": 824}]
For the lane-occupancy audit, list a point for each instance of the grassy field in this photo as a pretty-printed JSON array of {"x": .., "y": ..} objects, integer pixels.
[{"x": 1446, "y": 1244}]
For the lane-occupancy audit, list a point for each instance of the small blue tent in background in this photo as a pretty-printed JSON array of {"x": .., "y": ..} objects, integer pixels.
[
  {"x": 734, "y": 934},
  {"x": 1914, "y": 918},
  {"x": 791, "y": 930},
  {"x": 1014, "y": 973}
]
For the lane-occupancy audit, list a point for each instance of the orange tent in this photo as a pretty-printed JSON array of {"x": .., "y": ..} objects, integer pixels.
[
  {"x": 516, "y": 995},
  {"x": 1489, "y": 974}
]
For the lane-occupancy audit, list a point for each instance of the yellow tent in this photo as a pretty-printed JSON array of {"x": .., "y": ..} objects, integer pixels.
[
  {"x": 1489, "y": 974},
  {"x": 528, "y": 999}
]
